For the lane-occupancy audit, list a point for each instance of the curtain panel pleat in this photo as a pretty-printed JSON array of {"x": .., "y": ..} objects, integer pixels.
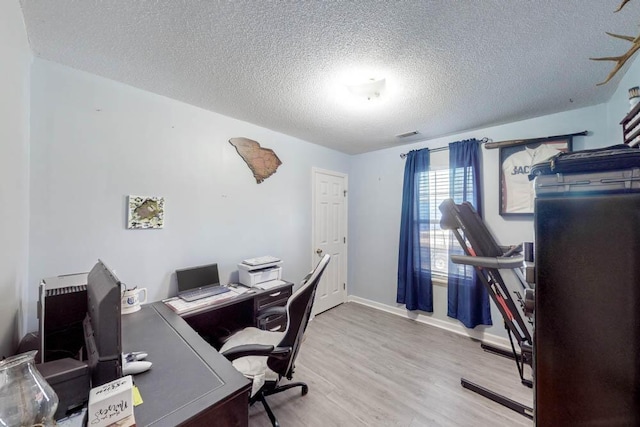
[
  {"x": 468, "y": 300},
  {"x": 415, "y": 288}
]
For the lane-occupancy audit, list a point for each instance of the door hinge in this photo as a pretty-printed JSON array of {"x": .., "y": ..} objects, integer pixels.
[
  {"x": 344, "y": 286},
  {"x": 344, "y": 240},
  {"x": 345, "y": 193}
]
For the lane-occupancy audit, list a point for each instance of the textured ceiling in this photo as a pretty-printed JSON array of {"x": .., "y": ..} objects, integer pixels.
[{"x": 450, "y": 66}]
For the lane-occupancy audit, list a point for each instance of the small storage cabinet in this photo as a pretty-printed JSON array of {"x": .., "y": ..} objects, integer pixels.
[{"x": 631, "y": 127}]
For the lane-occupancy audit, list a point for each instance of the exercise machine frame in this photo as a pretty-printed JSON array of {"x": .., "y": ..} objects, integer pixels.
[{"x": 482, "y": 252}]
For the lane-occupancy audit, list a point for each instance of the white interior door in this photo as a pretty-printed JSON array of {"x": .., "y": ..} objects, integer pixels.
[{"x": 330, "y": 236}]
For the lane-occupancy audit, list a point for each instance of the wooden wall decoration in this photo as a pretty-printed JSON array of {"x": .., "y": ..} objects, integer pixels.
[{"x": 263, "y": 162}]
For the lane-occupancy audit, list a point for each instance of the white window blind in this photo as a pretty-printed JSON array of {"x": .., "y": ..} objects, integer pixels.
[{"x": 433, "y": 190}]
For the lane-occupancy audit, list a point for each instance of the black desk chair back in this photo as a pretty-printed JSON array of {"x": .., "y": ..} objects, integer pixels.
[{"x": 265, "y": 356}]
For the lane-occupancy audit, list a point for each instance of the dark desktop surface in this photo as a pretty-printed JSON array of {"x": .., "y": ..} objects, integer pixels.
[{"x": 188, "y": 379}]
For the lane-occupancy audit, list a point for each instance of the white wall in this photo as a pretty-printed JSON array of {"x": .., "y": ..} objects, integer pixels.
[
  {"x": 94, "y": 141},
  {"x": 15, "y": 58},
  {"x": 376, "y": 195}
]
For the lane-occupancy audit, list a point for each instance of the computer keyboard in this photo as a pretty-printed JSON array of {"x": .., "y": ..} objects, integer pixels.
[
  {"x": 261, "y": 260},
  {"x": 197, "y": 294}
]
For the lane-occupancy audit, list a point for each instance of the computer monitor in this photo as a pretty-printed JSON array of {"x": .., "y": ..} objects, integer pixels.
[
  {"x": 102, "y": 325},
  {"x": 197, "y": 277}
]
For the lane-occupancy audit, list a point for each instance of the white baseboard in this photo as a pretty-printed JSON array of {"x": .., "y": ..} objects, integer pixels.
[{"x": 458, "y": 328}]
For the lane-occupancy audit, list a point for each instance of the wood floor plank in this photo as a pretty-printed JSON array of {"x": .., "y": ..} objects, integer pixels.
[{"x": 365, "y": 367}]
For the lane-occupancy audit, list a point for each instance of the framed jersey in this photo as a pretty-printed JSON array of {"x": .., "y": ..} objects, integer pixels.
[{"x": 516, "y": 191}]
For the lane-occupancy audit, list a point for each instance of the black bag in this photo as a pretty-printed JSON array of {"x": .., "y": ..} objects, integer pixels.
[
  {"x": 596, "y": 160},
  {"x": 613, "y": 169}
]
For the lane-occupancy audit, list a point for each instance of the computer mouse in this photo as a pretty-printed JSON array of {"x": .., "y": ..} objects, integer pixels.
[
  {"x": 135, "y": 355},
  {"x": 132, "y": 368}
]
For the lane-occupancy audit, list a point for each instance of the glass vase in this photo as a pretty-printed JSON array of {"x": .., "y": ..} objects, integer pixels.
[{"x": 26, "y": 399}]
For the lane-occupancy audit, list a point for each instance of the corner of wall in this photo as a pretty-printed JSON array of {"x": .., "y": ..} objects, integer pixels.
[{"x": 14, "y": 173}]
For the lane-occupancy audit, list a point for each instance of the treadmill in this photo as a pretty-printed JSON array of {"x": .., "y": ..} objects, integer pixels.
[{"x": 499, "y": 269}]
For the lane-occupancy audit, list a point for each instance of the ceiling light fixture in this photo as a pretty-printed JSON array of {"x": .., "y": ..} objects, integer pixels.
[{"x": 370, "y": 89}]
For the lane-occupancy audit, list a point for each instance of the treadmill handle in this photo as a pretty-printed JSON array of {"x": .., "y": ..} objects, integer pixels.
[{"x": 489, "y": 262}]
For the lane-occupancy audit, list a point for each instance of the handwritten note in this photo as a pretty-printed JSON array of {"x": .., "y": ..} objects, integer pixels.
[
  {"x": 111, "y": 412},
  {"x": 111, "y": 402}
]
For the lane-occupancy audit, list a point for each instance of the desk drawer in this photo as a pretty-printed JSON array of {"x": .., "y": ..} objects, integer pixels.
[{"x": 275, "y": 297}]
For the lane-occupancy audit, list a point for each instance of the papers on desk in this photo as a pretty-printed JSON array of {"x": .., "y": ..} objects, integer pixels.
[
  {"x": 270, "y": 284},
  {"x": 181, "y": 306},
  {"x": 239, "y": 289}
]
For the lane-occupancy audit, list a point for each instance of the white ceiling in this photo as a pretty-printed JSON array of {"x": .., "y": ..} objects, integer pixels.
[{"x": 450, "y": 65}]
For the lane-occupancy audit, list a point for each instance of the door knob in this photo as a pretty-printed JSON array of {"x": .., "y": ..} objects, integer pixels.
[{"x": 319, "y": 251}]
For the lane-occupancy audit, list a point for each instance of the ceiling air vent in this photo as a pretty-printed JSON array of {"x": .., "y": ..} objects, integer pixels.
[{"x": 408, "y": 134}]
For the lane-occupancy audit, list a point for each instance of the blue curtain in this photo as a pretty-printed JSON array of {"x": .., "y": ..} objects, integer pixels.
[
  {"x": 415, "y": 289},
  {"x": 468, "y": 300}
]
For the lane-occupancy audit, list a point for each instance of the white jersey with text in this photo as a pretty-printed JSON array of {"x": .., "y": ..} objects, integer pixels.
[{"x": 518, "y": 194}]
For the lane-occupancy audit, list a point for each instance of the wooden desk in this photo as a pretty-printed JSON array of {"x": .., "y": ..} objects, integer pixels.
[
  {"x": 217, "y": 321},
  {"x": 190, "y": 383}
]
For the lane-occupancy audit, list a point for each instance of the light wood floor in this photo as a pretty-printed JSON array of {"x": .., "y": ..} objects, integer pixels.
[{"x": 365, "y": 367}]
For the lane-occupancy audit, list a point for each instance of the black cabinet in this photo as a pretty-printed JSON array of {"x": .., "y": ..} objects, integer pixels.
[{"x": 587, "y": 315}]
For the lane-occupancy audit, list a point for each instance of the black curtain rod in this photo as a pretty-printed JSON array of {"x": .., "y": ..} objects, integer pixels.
[
  {"x": 484, "y": 140},
  {"x": 513, "y": 142},
  {"x": 510, "y": 143}
]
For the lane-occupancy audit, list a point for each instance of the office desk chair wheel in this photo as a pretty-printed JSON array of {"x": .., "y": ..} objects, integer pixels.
[
  {"x": 261, "y": 397},
  {"x": 305, "y": 388}
]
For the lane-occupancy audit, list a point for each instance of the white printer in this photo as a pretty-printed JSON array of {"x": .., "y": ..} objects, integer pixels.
[{"x": 254, "y": 271}]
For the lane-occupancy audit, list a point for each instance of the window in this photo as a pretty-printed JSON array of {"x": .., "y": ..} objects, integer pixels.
[{"x": 434, "y": 189}]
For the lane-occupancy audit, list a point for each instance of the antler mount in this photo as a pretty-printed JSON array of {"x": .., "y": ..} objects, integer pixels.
[{"x": 622, "y": 59}]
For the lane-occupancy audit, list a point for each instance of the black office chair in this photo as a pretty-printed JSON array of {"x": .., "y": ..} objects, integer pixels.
[{"x": 264, "y": 356}]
